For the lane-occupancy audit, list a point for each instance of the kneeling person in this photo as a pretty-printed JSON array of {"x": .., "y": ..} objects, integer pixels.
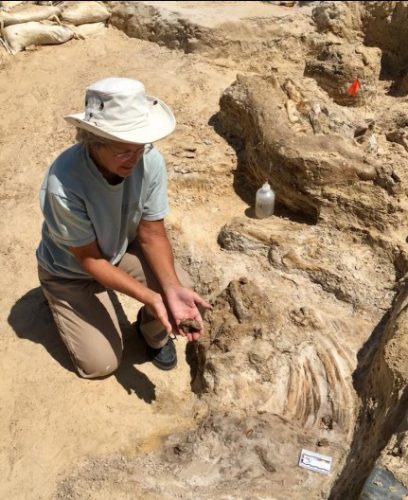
[{"x": 104, "y": 201}]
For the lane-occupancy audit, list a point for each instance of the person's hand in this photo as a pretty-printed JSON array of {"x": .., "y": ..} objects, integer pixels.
[
  {"x": 158, "y": 309},
  {"x": 182, "y": 303}
]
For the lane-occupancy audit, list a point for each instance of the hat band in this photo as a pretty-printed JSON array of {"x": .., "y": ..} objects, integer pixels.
[{"x": 121, "y": 126}]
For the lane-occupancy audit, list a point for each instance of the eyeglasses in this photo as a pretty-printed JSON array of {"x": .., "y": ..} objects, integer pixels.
[{"x": 126, "y": 155}]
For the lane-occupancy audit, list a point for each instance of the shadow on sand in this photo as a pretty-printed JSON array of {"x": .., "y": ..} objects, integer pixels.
[{"x": 31, "y": 319}]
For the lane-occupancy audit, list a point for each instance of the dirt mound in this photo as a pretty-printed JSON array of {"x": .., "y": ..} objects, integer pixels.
[
  {"x": 377, "y": 24},
  {"x": 325, "y": 175}
]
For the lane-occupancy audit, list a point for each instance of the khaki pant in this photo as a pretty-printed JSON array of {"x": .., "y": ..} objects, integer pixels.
[{"x": 86, "y": 319}]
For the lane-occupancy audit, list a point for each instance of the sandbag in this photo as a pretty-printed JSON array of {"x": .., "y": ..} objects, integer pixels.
[
  {"x": 20, "y": 36},
  {"x": 88, "y": 30},
  {"x": 31, "y": 13},
  {"x": 10, "y": 5},
  {"x": 83, "y": 12}
]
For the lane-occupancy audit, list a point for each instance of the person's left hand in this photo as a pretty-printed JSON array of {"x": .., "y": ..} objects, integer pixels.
[{"x": 182, "y": 303}]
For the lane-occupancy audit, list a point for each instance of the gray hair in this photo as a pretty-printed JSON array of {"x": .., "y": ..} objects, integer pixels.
[{"x": 88, "y": 139}]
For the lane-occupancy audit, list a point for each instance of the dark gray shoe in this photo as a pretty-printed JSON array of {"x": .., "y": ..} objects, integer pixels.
[{"x": 164, "y": 358}]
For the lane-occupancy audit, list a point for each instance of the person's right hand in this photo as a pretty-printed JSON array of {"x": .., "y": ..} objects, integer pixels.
[{"x": 158, "y": 309}]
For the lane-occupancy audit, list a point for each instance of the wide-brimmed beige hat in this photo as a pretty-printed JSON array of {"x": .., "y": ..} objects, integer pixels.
[{"x": 118, "y": 109}]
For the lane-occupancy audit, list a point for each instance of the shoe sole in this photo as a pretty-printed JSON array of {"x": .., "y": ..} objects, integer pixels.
[{"x": 164, "y": 367}]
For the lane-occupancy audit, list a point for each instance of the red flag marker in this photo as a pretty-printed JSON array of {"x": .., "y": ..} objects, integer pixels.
[{"x": 354, "y": 88}]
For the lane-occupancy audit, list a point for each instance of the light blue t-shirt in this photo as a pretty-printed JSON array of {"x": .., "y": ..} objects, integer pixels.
[{"x": 80, "y": 206}]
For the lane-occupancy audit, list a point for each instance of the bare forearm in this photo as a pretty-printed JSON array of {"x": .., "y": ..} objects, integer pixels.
[
  {"x": 116, "y": 279},
  {"x": 159, "y": 254},
  {"x": 110, "y": 276},
  {"x": 182, "y": 302}
]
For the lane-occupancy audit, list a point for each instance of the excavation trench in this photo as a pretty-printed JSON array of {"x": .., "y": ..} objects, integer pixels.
[
  {"x": 324, "y": 182},
  {"x": 381, "y": 384},
  {"x": 380, "y": 380}
]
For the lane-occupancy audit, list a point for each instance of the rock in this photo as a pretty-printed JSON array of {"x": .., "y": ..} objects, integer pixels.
[
  {"x": 379, "y": 24},
  {"x": 399, "y": 136},
  {"x": 246, "y": 347},
  {"x": 382, "y": 388},
  {"x": 190, "y": 148},
  {"x": 321, "y": 254},
  {"x": 324, "y": 176},
  {"x": 384, "y": 26},
  {"x": 190, "y": 326},
  {"x": 205, "y": 27},
  {"x": 158, "y": 24},
  {"x": 335, "y": 67},
  {"x": 340, "y": 18},
  {"x": 292, "y": 111}
]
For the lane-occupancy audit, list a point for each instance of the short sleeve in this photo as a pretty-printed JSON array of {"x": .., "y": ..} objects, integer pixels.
[
  {"x": 67, "y": 220},
  {"x": 156, "y": 204}
]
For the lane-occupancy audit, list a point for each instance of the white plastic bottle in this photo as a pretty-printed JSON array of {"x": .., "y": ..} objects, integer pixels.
[{"x": 264, "y": 201}]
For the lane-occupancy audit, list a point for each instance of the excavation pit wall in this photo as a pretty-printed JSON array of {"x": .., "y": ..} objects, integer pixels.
[{"x": 368, "y": 25}]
